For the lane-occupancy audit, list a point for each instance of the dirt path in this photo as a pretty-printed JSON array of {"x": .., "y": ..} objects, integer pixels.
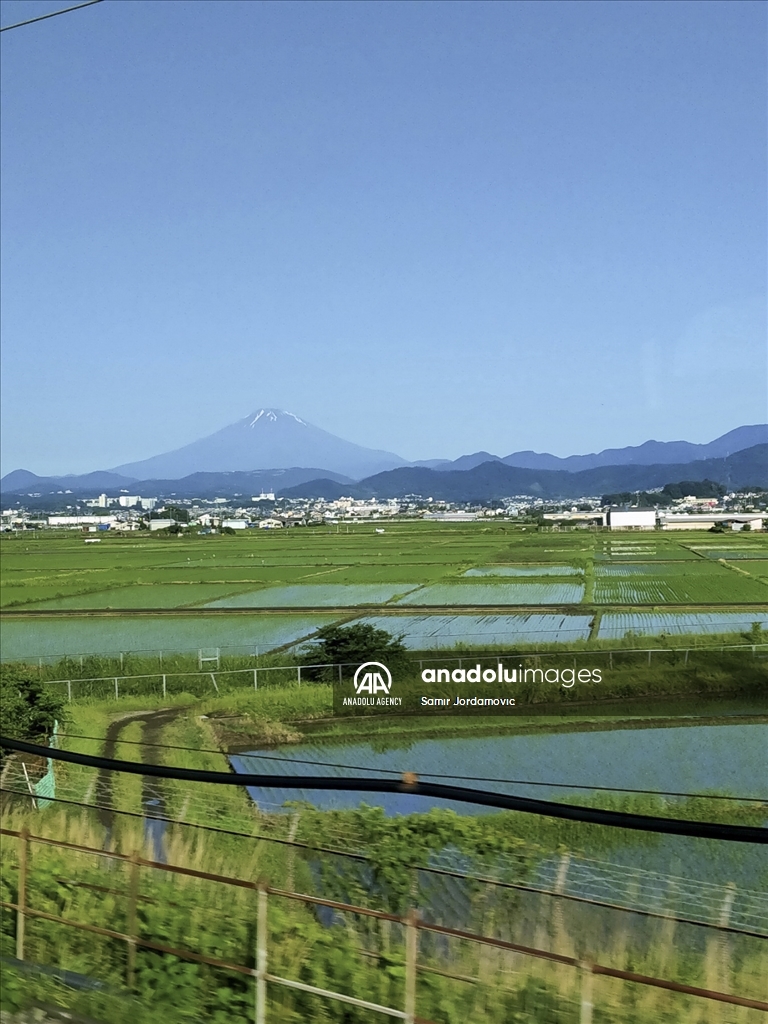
[{"x": 152, "y": 791}]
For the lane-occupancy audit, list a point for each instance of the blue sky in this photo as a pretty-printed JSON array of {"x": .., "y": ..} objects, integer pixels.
[{"x": 427, "y": 227}]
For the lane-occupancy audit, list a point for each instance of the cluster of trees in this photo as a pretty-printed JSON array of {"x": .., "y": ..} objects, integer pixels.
[
  {"x": 356, "y": 644},
  {"x": 667, "y": 494}
]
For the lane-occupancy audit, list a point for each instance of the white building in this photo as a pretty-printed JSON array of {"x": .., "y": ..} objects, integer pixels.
[
  {"x": 264, "y": 496},
  {"x": 206, "y": 519},
  {"x": 234, "y": 524},
  {"x": 81, "y": 520},
  {"x": 270, "y": 524},
  {"x": 632, "y": 519},
  {"x": 129, "y": 500},
  {"x": 162, "y": 524},
  {"x": 706, "y": 520},
  {"x": 452, "y": 517}
]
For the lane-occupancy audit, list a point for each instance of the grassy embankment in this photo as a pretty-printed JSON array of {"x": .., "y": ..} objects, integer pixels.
[{"x": 218, "y": 921}]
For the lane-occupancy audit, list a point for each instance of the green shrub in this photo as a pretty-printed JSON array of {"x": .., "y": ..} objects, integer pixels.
[{"x": 28, "y": 708}]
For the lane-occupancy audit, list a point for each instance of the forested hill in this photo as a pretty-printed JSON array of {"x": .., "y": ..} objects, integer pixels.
[{"x": 492, "y": 480}]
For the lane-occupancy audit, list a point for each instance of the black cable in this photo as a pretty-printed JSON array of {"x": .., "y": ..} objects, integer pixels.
[
  {"x": 596, "y": 816},
  {"x": 428, "y": 775},
  {"x": 53, "y": 14}
]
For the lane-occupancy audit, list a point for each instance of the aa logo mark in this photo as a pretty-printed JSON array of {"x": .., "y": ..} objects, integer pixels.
[{"x": 372, "y": 677}]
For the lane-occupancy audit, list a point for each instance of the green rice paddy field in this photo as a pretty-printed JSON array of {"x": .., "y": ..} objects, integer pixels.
[{"x": 440, "y": 568}]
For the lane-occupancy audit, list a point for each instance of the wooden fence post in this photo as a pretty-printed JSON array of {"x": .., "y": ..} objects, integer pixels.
[
  {"x": 133, "y": 899},
  {"x": 261, "y": 956},
  {"x": 411, "y": 943},
  {"x": 21, "y": 900}
]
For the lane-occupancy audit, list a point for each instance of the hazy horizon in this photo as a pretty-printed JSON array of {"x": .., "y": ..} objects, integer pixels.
[{"x": 428, "y": 228}]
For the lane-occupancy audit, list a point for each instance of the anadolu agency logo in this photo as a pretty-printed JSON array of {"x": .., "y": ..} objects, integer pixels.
[{"x": 372, "y": 679}]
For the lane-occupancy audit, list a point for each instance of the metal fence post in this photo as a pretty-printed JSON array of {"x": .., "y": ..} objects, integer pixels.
[
  {"x": 21, "y": 900},
  {"x": 298, "y": 674},
  {"x": 164, "y": 687},
  {"x": 255, "y": 679},
  {"x": 339, "y": 673},
  {"x": 411, "y": 942},
  {"x": 587, "y": 979},
  {"x": 559, "y": 887},
  {"x": 117, "y": 692},
  {"x": 649, "y": 657},
  {"x": 133, "y": 898},
  {"x": 69, "y": 690},
  {"x": 261, "y": 956},
  {"x": 724, "y": 967}
]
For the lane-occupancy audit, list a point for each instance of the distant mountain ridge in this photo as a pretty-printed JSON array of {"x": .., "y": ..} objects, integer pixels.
[
  {"x": 201, "y": 485},
  {"x": 21, "y": 481},
  {"x": 650, "y": 453},
  {"x": 492, "y": 480},
  {"x": 273, "y": 441}
]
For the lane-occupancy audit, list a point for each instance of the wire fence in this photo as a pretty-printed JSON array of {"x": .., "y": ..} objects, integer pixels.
[
  {"x": 567, "y": 876},
  {"x": 210, "y": 678},
  {"x": 400, "y": 965}
]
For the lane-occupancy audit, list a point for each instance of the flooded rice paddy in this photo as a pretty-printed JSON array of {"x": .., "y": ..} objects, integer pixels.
[
  {"x": 316, "y": 595},
  {"x": 28, "y": 637},
  {"x": 616, "y": 625},
  {"x": 689, "y": 759},
  {"x": 439, "y": 632},
  {"x": 53, "y": 638},
  {"x": 497, "y": 594}
]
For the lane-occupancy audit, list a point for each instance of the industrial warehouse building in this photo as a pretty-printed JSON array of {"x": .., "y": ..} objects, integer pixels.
[
  {"x": 652, "y": 519},
  {"x": 632, "y": 518}
]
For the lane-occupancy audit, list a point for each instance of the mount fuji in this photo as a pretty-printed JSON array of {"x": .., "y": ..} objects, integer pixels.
[{"x": 267, "y": 439}]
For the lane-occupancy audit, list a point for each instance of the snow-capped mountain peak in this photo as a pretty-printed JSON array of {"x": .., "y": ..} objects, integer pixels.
[
  {"x": 272, "y": 416},
  {"x": 267, "y": 439}
]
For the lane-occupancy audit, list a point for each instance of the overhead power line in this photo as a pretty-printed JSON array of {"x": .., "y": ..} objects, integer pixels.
[
  {"x": 429, "y": 775},
  {"x": 410, "y": 784},
  {"x": 53, "y": 14}
]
